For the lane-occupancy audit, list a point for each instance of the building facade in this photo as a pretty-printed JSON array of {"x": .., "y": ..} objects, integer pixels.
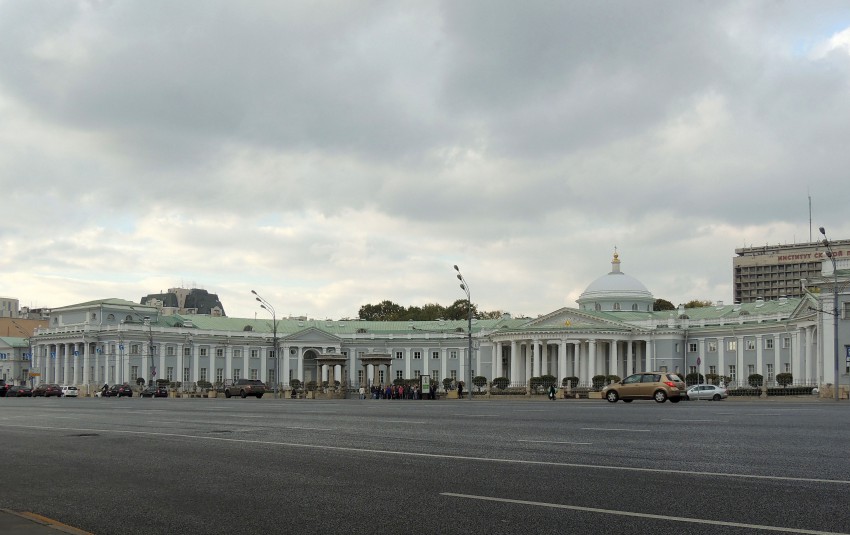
[
  {"x": 613, "y": 332},
  {"x": 776, "y": 271}
]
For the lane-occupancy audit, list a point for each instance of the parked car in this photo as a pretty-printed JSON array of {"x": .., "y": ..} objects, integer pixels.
[
  {"x": 245, "y": 388},
  {"x": 46, "y": 390},
  {"x": 119, "y": 391},
  {"x": 154, "y": 392},
  {"x": 19, "y": 391},
  {"x": 659, "y": 386},
  {"x": 4, "y": 386},
  {"x": 69, "y": 391},
  {"x": 710, "y": 392}
]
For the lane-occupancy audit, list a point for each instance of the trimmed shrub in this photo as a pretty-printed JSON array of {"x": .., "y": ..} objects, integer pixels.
[
  {"x": 572, "y": 381},
  {"x": 548, "y": 380},
  {"x": 501, "y": 382},
  {"x": 755, "y": 380},
  {"x": 295, "y": 384},
  {"x": 784, "y": 379},
  {"x": 694, "y": 378},
  {"x": 612, "y": 379},
  {"x": 479, "y": 381},
  {"x": 204, "y": 385},
  {"x": 311, "y": 385},
  {"x": 598, "y": 381}
]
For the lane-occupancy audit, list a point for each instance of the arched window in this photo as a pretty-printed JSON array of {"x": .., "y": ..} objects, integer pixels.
[
  {"x": 634, "y": 307},
  {"x": 597, "y": 307},
  {"x": 616, "y": 306}
]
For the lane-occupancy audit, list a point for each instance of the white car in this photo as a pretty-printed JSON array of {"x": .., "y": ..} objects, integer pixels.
[
  {"x": 710, "y": 392},
  {"x": 69, "y": 391}
]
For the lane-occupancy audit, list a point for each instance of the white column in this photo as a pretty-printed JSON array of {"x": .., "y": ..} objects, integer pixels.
[
  {"x": 591, "y": 358},
  {"x": 246, "y": 362},
  {"x": 544, "y": 358},
  {"x": 514, "y": 362},
  {"x": 107, "y": 377},
  {"x": 562, "y": 361},
  {"x": 721, "y": 357},
  {"x": 582, "y": 363},
  {"x": 283, "y": 360},
  {"x": 426, "y": 357},
  {"x": 777, "y": 356},
  {"x": 739, "y": 361},
  {"x": 300, "y": 355},
  {"x": 86, "y": 363},
  {"x": 444, "y": 365},
  {"x": 797, "y": 355},
  {"x": 67, "y": 376},
  {"x": 630, "y": 356},
  {"x": 228, "y": 362},
  {"x": 57, "y": 366},
  {"x": 760, "y": 356},
  {"x": 535, "y": 358},
  {"x": 701, "y": 355},
  {"x": 650, "y": 355},
  {"x": 408, "y": 356},
  {"x": 497, "y": 360},
  {"x": 615, "y": 357}
]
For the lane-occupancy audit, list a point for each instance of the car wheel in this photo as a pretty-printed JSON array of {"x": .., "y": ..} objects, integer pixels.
[
  {"x": 259, "y": 396},
  {"x": 627, "y": 400},
  {"x": 660, "y": 396},
  {"x": 675, "y": 400},
  {"x": 612, "y": 396},
  {"x": 243, "y": 395},
  {"x": 716, "y": 397},
  {"x": 227, "y": 394}
]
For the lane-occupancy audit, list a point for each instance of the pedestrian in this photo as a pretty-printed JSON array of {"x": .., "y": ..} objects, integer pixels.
[
  {"x": 362, "y": 392},
  {"x": 552, "y": 392},
  {"x": 460, "y": 389}
]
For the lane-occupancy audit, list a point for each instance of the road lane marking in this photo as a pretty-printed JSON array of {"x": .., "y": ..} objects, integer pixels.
[
  {"x": 643, "y": 515},
  {"x": 556, "y": 442},
  {"x": 431, "y": 455},
  {"x": 614, "y": 429},
  {"x": 686, "y": 421}
]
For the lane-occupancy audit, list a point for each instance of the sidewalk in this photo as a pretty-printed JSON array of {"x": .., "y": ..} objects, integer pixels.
[{"x": 15, "y": 523}]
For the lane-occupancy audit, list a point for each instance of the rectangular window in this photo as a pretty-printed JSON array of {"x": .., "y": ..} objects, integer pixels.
[
  {"x": 452, "y": 354},
  {"x": 360, "y": 377},
  {"x": 454, "y": 375},
  {"x": 270, "y": 376},
  {"x": 733, "y": 373},
  {"x": 786, "y": 367},
  {"x": 732, "y": 345},
  {"x": 786, "y": 342},
  {"x": 676, "y": 348},
  {"x": 185, "y": 375},
  {"x": 712, "y": 370},
  {"x": 418, "y": 373},
  {"x": 219, "y": 375},
  {"x": 219, "y": 352},
  {"x": 135, "y": 349},
  {"x": 770, "y": 373},
  {"x": 435, "y": 354},
  {"x": 169, "y": 351},
  {"x": 203, "y": 375},
  {"x": 255, "y": 374},
  {"x": 237, "y": 374},
  {"x": 692, "y": 369},
  {"x": 134, "y": 373},
  {"x": 751, "y": 369},
  {"x": 169, "y": 374},
  {"x": 750, "y": 344},
  {"x": 435, "y": 376},
  {"x": 255, "y": 354},
  {"x": 381, "y": 376},
  {"x": 203, "y": 352},
  {"x": 692, "y": 347},
  {"x": 711, "y": 346},
  {"x": 187, "y": 351},
  {"x": 768, "y": 343},
  {"x": 399, "y": 374},
  {"x": 399, "y": 354},
  {"x": 417, "y": 354},
  {"x": 237, "y": 353}
]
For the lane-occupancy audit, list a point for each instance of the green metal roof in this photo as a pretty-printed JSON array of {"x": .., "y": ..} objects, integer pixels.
[{"x": 14, "y": 341}]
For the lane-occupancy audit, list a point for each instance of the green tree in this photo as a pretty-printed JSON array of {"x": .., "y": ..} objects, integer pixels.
[
  {"x": 384, "y": 311},
  {"x": 663, "y": 304},
  {"x": 696, "y": 303}
]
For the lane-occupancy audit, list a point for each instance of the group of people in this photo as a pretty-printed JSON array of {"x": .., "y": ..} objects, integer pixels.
[{"x": 398, "y": 392}]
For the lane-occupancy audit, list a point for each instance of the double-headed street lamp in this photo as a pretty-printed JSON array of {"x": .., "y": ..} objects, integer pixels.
[
  {"x": 831, "y": 256},
  {"x": 270, "y": 309},
  {"x": 465, "y": 287}
]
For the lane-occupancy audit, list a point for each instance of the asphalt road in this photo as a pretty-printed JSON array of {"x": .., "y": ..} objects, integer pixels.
[{"x": 267, "y": 466}]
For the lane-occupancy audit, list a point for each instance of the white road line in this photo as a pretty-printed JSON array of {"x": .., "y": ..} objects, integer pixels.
[
  {"x": 556, "y": 442},
  {"x": 614, "y": 429},
  {"x": 549, "y": 464},
  {"x": 644, "y": 515},
  {"x": 687, "y": 420}
]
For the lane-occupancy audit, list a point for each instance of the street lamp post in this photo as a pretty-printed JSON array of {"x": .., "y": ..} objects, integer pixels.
[
  {"x": 465, "y": 287},
  {"x": 831, "y": 256},
  {"x": 270, "y": 309}
]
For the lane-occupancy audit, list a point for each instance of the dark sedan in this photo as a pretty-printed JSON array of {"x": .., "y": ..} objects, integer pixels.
[
  {"x": 19, "y": 391},
  {"x": 119, "y": 391},
  {"x": 154, "y": 392},
  {"x": 47, "y": 390}
]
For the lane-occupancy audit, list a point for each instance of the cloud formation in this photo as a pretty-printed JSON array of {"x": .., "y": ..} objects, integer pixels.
[{"x": 332, "y": 154}]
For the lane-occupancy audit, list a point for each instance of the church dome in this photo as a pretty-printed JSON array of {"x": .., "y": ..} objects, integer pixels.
[{"x": 616, "y": 291}]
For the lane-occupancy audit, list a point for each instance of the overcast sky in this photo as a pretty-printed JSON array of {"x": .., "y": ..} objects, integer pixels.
[{"x": 330, "y": 154}]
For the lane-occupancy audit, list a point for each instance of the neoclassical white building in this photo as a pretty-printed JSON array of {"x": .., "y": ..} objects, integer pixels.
[{"x": 613, "y": 331}]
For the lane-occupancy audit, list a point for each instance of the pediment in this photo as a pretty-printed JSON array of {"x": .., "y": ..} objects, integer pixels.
[
  {"x": 312, "y": 335},
  {"x": 572, "y": 317}
]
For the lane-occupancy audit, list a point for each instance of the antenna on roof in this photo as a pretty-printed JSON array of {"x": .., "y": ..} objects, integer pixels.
[{"x": 810, "y": 214}]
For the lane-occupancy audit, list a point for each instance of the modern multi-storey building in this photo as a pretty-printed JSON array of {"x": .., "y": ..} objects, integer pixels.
[
  {"x": 614, "y": 331},
  {"x": 774, "y": 271}
]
